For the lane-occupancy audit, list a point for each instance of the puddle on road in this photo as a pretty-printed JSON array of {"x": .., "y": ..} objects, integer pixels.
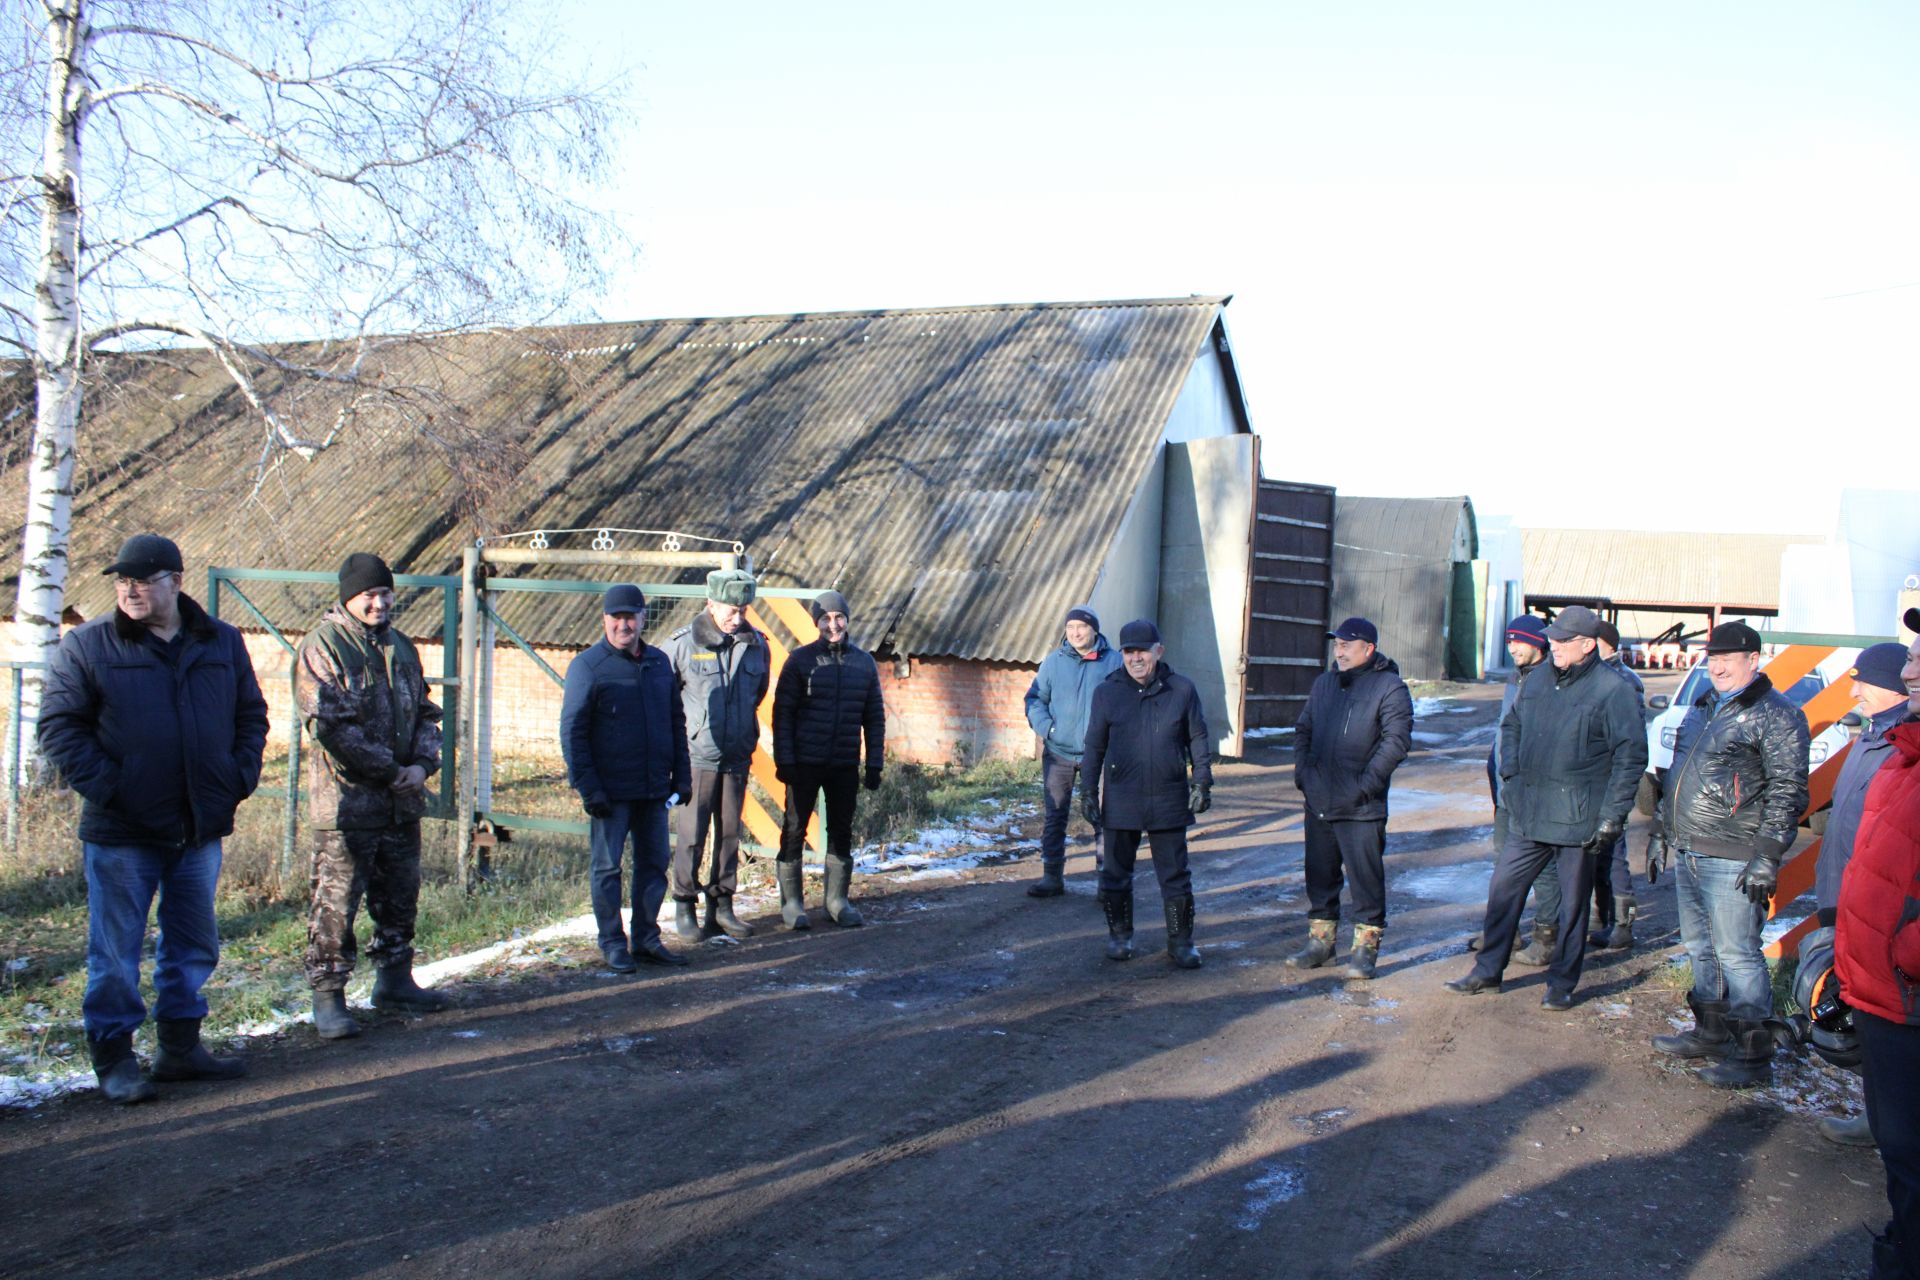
[
  {"x": 1464, "y": 884},
  {"x": 1321, "y": 1123},
  {"x": 1276, "y": 1184}
]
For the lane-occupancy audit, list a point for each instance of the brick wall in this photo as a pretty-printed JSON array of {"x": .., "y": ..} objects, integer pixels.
[{"x": 949, "y": 710}]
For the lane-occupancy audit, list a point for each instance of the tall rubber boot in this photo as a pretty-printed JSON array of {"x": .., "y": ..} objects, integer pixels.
[
  {"x": 1051, "y": 883},
  {"x": 1365, "y": 953},
  {"x": 1625, "y": 909},
  {"x": 1710, "y": 1037},
  {"x": 1119, "y": 909},
  {"x": 686, "y": 921},
  {"x": 1180, "y": 949},
  {"x": 790, "y": 876},
  {"x": 1539, "y": 953},
  {"x": 1321, "y": 937},
  {"x": 119, "y": 1071},
  {"x": 183, "y": 1057},
  {"x": 1751, "y": 1059},
  {"x": 720, "y": 908},
  {"x": 394, "y": 988},
  {"x": 331, "y": 1021},
  {"x": 839, "y": 868}
]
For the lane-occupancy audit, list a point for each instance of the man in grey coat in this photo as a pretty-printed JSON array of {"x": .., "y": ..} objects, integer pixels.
[
  {"x": 1057, "y": 704},
  {"x": 721, "y": 668}
]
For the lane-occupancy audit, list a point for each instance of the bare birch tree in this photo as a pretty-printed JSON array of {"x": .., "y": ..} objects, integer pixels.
[{"x": 231, "y": 175}]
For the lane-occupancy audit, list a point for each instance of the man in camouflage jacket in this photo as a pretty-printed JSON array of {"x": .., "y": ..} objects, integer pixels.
[{"x": 363, "y": 698}]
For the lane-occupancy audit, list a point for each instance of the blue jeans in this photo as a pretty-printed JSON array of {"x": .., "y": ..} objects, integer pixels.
[
  {"x": 121, "y": 883},
  {"x": 643, "y": 823},
  {"x": 1721, "y": 932}
]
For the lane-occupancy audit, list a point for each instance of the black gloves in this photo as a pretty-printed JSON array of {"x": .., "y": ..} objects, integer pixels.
[
  {"x": 1603, "y": 838},
  {"x": 873, "y": 777},
  {"x": 1199, "y": 798},
  {"x": 1761, "y": 876},
  {"x": 784, "y": 774},
  {"x": 1659, "y": 853},
  {"x": 1090, "y": 808},
  {"x": 599, "y": 807}
]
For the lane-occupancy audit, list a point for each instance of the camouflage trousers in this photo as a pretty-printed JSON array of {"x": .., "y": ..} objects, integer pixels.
[{"x": 381, "y": 865}]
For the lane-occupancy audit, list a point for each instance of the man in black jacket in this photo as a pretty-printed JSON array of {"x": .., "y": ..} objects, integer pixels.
[
  {"x": 153, "y": 715},
  {"x": 1143, "y": 730},
  {"x": 826, "y": 701},
  {"x": 1354, "y": 732},
  {"x": 1731, "y": 807},
  {"x": 1571, "y": 753}
]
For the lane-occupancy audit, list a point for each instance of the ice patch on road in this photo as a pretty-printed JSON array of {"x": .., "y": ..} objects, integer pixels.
[
  {"x": 1422, "y": 738},
  {"x": 1462, "y": 883},
  {"x": 1423, "y": 707},
  {"x": 1276, "y": 1185},
  {"x": 1278, "y": 731},
  {"x": 1402, "y": 801}
]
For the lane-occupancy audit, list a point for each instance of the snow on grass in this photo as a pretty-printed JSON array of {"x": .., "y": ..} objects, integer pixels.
[{"x": 1280, "y": 731}]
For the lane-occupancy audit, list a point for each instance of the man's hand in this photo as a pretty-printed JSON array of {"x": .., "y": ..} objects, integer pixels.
[
  {"x": 1199, "y": 799},
  {"x": 1603, "y": 838},
  {"x": 1090, "y": 808},
  {"x": 599, "y": 807},
  {"x": 1760, "y": 878},
  {"x": 872, "y": 779},
  {"x": 1659, "y": 853},
  {"x": 784, "y": 774},
  {"x": 412, "y": 780}
]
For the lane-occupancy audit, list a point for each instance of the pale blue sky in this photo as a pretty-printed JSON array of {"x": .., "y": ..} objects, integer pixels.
[{"x": 1537, "y": 253}]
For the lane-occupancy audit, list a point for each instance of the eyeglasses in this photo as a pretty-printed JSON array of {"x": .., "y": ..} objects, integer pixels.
[{"x": 142, "y": 584}]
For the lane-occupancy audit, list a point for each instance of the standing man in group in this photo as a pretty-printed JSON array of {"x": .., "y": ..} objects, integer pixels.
[
  {"x": 827, "y": 700},
  {"x": 1613, "y": 902},
  {"x": 1527, "y": 646},
  {"x": 153, "y": 715},
  {"x": 1355, "y": 731},
  {"x": 624, "y": 735},
  {"x": 1880, "y": 691},
  {"x": 1057, "y": 705},
  {"x": 363, "y": 697},
  {"x": 1731, "y": 805},
  {"x": 721, "y": 666},
  {"x": 1572, "y": 750},
  {"x": 1144, "y": 729}
]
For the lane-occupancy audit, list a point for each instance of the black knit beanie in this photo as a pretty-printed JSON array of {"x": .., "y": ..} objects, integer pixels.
[{"x": 363, "y": 571}]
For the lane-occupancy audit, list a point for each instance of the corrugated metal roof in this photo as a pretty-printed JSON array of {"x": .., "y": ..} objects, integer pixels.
[
  {"x": 1633, "y": 566},
  {"x": 1393, "y": 565},
  {"x": 958, "y": 473}
]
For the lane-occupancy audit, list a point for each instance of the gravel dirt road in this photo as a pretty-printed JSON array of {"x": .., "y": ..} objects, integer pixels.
[{"x": 966, "y": 1087}]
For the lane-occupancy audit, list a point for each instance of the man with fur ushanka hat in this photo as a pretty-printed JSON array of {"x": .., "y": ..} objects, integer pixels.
[
  {"x": 721, "y": 668},
  {"x": 1057, "y": 703},
  {"x": 827, "y": 700}
]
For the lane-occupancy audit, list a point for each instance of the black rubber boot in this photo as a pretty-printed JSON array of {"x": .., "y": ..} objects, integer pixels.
[
  {"x": 1180, "y": 949},
  {"x": 118, "y": 1071},
  {"x": 1364, "y": 955},
  {"x": 721, "y": 906},
  {"x": 839, "y": 870},
  {"x": 183, "y": 1057},
  {"x": 394, "y": 988},
  {"x": 1709, "y": 1037},
  {"x": 1119, "y": 909},
  {"x": 619, "y": 959},
  {"x": 331, "y": 1021},
  {"x": 1322, "y": 936},
  {"x": 1751, "y": 1060},
  {"x": 790, "y": 876},
  {"x": 1539, "y": 953},
  {"x": 686, "y": 921},
  {"x": 1625, "y": 909},
  {"x": 1051, "y": 884}
]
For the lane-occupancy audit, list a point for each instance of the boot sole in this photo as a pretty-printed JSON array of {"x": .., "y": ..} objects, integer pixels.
[{"x": 344, "y": 1033}]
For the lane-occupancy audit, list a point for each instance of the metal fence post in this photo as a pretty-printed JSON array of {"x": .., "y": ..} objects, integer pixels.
[
  {"x": 290, "y": 832},
  {"x": 469, "y": 681},
  {"x": 13, "y": 759}
]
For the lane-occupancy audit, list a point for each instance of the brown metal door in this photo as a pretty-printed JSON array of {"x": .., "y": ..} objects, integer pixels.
[{"x": 1292, "y": 593}]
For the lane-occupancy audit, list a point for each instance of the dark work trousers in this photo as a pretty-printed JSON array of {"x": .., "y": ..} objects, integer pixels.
[
  {"x": 381, "y": 865},
  {"x": 714, "y": 806},
  {"x": 1120, "y": 849},
  {"x": 1058, "y": 775},
  {"x": 1546, "y": 888},
  {"x": 1350, "y": 853},
  {"x": 643, "y": 823},
  {"x": 1890, "y": 1060},
  {"x": 842, "y": 786},
  {"x": 1611, "y": 879},
  {"x": 1520, "y": 862}
]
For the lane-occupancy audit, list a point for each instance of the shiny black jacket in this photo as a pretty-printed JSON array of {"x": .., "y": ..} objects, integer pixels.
[
  {"x": 1572, "y": 750},
  {"x": 1140, "y": 742},
  {"x": 1738, "y": 783},
  {"x": 1355, "y": 731},
  {"x": 826, "y": 700}
]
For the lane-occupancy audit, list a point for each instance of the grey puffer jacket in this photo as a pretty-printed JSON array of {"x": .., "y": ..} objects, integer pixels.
[
  {"x": 1738, "y": 784},
  {"x": 1355, "y": 731},
  {"x": 722, "y": 679},
  {"x": 1571, "y": 754}
]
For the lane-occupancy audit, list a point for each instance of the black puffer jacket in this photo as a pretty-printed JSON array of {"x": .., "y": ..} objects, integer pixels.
[
  {"x": 1139, "y": 744},
  {"x": 1572, "y": 750},
  {"x": 1738, "y": 784},
  {"x": 1357, "y": 728},
  {"x": 827, "y": 698}
]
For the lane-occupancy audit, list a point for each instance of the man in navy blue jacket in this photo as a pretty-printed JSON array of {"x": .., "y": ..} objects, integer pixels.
[
  {"x": 624, "y": 735},
  {"x": 153, "y": 715},
  {"x": 1057, "y": 704}
]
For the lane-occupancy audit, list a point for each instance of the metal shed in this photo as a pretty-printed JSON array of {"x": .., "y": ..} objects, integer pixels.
[{"x": 1407, "y": 565}]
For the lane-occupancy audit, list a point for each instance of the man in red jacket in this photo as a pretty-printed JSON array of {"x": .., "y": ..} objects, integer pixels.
[{"x": 1877, "y": 955}]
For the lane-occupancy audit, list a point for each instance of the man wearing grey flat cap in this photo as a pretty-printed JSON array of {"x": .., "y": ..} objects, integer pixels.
[
  {"x": 1057, "y": 705},
  {"x": 1572, "y": 749},
  {"x": 624, "y": 735},
  {"x": 721, "y": 667}
]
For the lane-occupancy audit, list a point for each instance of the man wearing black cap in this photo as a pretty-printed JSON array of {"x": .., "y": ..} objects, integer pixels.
[
  {"x": 1057, "y": 704},
  {"x": 721, "y": 666},
  {"x": 1731, "y": 804},
  {"x": 1356, "y": 729},
  {"x": 363, "y": 696},
  {"x": 623, "y": 732},
  {"x": 1614, "y": 906},
  {"x": 1572, "y": 749},
  {"x": 1527, "y": 646},
  {"x": 826, "y": 702},
  {"x": 1144, "y": 728},
  {"x": 153, "y": 715}
]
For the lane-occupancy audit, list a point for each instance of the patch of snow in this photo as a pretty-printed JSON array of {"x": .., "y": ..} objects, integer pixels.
[
  {"x": 1285, "y": 731},
  {"x": 1462, "y": 883},
  {"x": 1423, "y": 707},
  {"x": 1275, "y": 1185},
  {"x": 31, "y": 1091},
  {"x": 464, "y": 1035},
  {"x": 1613, "y": 1009},
  {"x": 1424, "y": 738}
]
